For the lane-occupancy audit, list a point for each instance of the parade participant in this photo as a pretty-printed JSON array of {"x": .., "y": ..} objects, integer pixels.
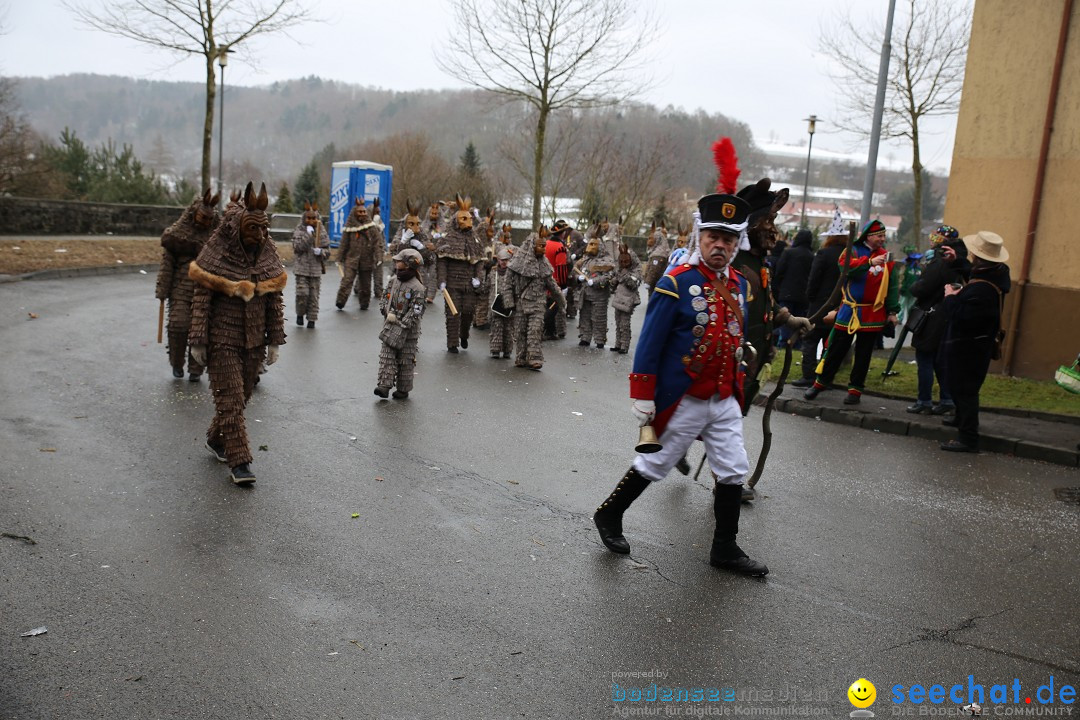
[
  {"x": 360, "y": 255},
  {"x": 791, "y": 276},
  {"x": 411, "y": 234},
  {"x": 687, "y": 380},
  {"x": 595, "y": 273},
  {"x": 180, "y": 244},
  {"x": 460, "y": 269},
  {"x": 656, "y": 262},
  {"x": 626, "y": 297},
  {"x": 485, "y": 233},
  {"x": 974, "y": 333},
  {"x": 555, "y": 316},
  {"x": 309, "y": 263},
  {"x": 403, "y": 307},
  {"x": 575, "y": 248},
  {"x": 501, "y": 332},
  {"x": 434, "y": 229},
  {"x": 237, "y": 320},
  {"x": 870, "y": 299},
  {"x": 531, "y": 285}
]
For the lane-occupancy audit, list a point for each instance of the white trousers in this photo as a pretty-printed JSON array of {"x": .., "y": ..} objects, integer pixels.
[{"x": 718, "y": 422}]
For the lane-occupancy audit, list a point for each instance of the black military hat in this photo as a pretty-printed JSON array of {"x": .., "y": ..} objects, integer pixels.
[{"x": 724, "y": 212}]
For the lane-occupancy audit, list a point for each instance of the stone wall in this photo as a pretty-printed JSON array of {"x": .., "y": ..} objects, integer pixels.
[{"x": 27, "y": 216}]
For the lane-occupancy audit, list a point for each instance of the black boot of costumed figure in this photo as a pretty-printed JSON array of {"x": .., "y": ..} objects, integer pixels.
[
  {"x": 726, "y": 554},
  {"x": 608, "y": 517}
]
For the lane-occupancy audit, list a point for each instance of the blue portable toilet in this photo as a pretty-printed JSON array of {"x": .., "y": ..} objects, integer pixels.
[{"x": 350, "y": 179}]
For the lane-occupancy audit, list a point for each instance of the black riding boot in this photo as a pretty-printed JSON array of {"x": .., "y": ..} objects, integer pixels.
[
  {"x": 608, "y": 516},
  {"x": 726, "y": 554}
]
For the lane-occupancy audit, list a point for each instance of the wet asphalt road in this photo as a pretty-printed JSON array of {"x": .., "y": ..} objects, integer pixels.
[{"x": 473, "y": 584}]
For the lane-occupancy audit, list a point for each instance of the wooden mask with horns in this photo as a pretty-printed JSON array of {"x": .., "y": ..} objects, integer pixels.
[
  {"x": 412, "y": 217},
  {"x": 254, "y": 225},
  {"x": 204, "y": 212},
  {"x": 463, "y": 219}
]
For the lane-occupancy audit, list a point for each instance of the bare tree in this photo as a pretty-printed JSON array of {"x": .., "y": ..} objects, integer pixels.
[
  {"x": 420, "y": 173},
  {"x": 552, "y": 54},
  {"x": 193, "y": 27},
  {"x": 926, "y": 74}
]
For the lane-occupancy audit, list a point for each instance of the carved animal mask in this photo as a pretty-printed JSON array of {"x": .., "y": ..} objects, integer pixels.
[
  {"x": 412, "y": 217},
  {"x": 361, "y": 209},
  {"x": 463, "y": 218},
  {"x": 311, "y": 214},
  {"x": 684, "y": 237},
  {"x": 204, "y": 213},
  {"x": 254, "y": 225},
  {"x": 624, "y": 257},
  {"x": 433, "y": 213},
  {"x": 489, "y": 224},
  {"x": 593, "y": 247},
  {"x": 540, "y": 243},
  {"x": 506, "y": 234}
]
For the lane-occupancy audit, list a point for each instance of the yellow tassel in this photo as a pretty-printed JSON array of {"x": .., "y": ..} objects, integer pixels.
[{"x": 883, "y": 289}]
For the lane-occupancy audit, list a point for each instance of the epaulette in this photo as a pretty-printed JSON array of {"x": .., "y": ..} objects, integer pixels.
[{"x": 672, "y": 273}]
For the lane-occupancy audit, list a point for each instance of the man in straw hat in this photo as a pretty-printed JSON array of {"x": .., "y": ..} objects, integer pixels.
[
  {"x": 973, "y": 334},
  {"x": 688, "y": 379}
]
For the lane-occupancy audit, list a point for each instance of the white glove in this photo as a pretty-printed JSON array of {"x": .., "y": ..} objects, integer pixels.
[
  {"x": 198, "y": 354},
  {"x": 475, "y": 282},
  {"x": 437, "y": 236},
  {"x": 317, "y": 251},
  {"x": 407, "y": 235},
  {"x": 417, "y": 244},
  {"x": 378, "y": 221},
  {"x": 564, "y": 291},
  {"x": 581, "y": 278},
  {"x": 442, "y": 286},
  {"x": 590, "y": 282},
  {"x": 391, "y": 318},
  {"x": 310, "y": 230},
  {"x": 573, "y": 257},
  {"x": 271, "y": 354},
  {"x": 644, "y": 411}
]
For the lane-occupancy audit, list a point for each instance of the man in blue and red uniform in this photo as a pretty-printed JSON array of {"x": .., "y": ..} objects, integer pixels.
[{"x": 688, "y": 380}]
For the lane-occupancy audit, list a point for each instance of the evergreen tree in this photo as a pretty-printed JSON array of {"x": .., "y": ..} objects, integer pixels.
[
  {"x": 102, "y": 175},
  {"x": 308, "y": 188},
  {"x": 284, "y": 203},
  {"x": 470, "y": 161}
]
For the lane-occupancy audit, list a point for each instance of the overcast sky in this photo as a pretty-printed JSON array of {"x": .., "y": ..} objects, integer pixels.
[{"x": 755, "y": 61}]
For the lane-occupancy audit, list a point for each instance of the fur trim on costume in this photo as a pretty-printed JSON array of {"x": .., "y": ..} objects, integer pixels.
[{"x": 233, "y": 288}]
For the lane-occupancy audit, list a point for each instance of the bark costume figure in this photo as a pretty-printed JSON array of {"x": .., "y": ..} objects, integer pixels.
[
  {"x": 460, "y": 266},
  {"x": 575, "y": 246},
  {"x": 237, "y": 321},
  {"x": 687, "y": 381},
  {"x": 533, "y": 288},
  {"x": 595, "y": 275},
  {"x": 309, "y": 263},
  {"x": 501, "y": 332},
  {"x": 656, "y": 262},
  {"x": 434, "y": 228},
  {"x": 360, "y": 255},
  {"x": 180, "y": 244},
  {"x": 403, "y": 307},
  {"x": 485, "y": 233},
  {"x": 626, "y": 297},
  {"x": 412, "y": 235}
]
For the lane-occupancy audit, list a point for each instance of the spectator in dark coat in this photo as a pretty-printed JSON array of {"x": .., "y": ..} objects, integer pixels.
[
  {"x": 949, "y": 265},
  {"x": 824, "y": 272},
  {"x": 974, "y": 319},
  {"x": 790, "y": 277}
]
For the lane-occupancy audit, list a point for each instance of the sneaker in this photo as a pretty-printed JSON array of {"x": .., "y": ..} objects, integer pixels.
[
  {"x": 852, "y": 398},
  {"x": 400, "y": 394},
  {"x": 957, "y": 446},
  {"x": 178, "y": 373},
  {"x": 339, "y": 306},
  {"x": 311, "y": 324},
  {"x": 300, "y": 320},
  {"x": 218, "y": 452},
  {"x": 383, "y": 392},
  {"x": 452, "y": 350},
  {"x": 242, "y": 475},
  {"x": 802, "y": 382},
  {"x": 918, "y": 408},
  {"x": 943, "y": 409}
]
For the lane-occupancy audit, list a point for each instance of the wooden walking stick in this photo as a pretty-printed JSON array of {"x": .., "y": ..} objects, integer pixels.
[
  {"x": 449, "y": 303},
  {"x": 160, "y": 320}
]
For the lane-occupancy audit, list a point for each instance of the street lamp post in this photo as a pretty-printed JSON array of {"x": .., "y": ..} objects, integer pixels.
[
  {"x": 812, "y": 120},
  {"x": 223, "y": 60}
]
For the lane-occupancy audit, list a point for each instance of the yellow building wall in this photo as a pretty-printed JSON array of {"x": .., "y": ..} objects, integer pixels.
[{"x": 995, "y": 158}]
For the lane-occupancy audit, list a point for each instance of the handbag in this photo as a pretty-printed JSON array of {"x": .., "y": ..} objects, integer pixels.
[
  {"x": 916, "y": 319},
  {"x": 498, "y": 305}
]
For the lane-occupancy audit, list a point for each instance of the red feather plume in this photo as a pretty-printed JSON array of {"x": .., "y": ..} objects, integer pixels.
[{"x": 727, "y": 165}]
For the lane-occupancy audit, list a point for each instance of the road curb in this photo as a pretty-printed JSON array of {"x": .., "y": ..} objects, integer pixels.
[
  {"x": 61, "y": 273},
  {"x": 895, "y": 426}
]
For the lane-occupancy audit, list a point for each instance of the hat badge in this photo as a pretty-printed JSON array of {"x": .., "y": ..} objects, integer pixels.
[{"x": 727, "y": 210}]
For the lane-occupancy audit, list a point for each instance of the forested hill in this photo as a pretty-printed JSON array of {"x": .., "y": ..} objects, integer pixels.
[{"x": 274, "y": 130}]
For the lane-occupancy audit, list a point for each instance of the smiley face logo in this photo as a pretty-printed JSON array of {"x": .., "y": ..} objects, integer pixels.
[{"x": 862, "y": 693}]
